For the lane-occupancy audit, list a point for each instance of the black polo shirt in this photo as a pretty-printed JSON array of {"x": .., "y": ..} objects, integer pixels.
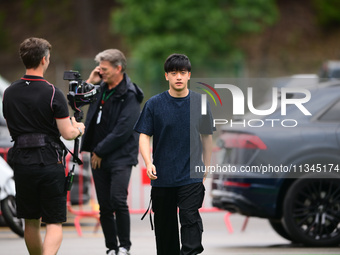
[{"x": 32, "y": 105}]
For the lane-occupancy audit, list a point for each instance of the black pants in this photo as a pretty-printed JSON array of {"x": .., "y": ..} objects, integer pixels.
[
  {"x": 165, "y": 201},
  {"x": 112, "y": 190}
]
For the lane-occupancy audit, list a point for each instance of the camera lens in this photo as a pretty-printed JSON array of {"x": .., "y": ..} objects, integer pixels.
[{"x": 88, "y": 87}]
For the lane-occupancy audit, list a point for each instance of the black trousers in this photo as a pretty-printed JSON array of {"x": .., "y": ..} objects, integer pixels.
[
  {"x": 112, "y": 190},
  {"x": 165, "y": 201}
]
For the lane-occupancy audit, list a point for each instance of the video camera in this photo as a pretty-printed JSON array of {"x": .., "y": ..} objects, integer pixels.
[{"x": 80, "y": 92}]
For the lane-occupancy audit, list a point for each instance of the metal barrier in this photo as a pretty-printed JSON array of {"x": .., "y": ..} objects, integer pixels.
[
  {"x": 138, "y": 198},
  {"x": 81, "y": 212},
  {"x": 4, "y": 152}
]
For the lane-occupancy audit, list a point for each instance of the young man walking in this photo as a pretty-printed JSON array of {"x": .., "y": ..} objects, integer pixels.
[{"x": 181, "y": 139}]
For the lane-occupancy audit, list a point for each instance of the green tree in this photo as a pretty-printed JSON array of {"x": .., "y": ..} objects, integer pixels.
[
  {"x": 204, "y": 30},
  {"x": 327, "y": 12}
]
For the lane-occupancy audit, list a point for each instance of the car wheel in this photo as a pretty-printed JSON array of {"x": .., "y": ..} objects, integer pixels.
[
  {"x": 311, "y": 212},
  {"x": 279, "y": 229}
]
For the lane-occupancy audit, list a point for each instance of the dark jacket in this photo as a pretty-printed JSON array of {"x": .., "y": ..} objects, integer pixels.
[{"x": 120, "y": 146}]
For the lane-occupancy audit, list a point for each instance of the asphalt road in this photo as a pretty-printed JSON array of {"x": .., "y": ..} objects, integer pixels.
[{"x": 258, "y": 238}]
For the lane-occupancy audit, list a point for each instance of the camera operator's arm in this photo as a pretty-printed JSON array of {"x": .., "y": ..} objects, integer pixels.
[
  {"x": 68, "y": 130},
  {"x": 95, "y": 76}
]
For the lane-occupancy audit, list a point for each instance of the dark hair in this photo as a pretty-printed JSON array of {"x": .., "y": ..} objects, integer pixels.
[
  {"x": 177, "y": 62},
  {"x": 32, "y": 51}
]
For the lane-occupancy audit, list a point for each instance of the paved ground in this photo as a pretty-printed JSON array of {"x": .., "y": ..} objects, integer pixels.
[{"x": 257, "y": 239}]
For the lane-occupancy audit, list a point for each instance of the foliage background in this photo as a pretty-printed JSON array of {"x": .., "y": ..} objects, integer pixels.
[{"x": 223, "y": 38}]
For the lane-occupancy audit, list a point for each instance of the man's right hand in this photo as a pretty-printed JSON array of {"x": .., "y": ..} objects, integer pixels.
[
  {"x": 94, "y": 77},
  {"x": 151, "y": 171}
]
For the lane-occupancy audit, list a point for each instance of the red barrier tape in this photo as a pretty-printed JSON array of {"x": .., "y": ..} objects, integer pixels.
[{"x": 81, "y": 212}]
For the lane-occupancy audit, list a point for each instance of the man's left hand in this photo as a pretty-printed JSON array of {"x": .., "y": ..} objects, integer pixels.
[{"x": 95, "y": 161}]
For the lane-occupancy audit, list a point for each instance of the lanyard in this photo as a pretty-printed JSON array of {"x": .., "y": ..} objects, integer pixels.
[{"x": 106, "y": 97}]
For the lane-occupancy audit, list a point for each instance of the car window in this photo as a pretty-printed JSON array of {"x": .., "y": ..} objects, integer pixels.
[
  {"x": 336, "y": 74},
  {"x": 332, "y": 114}
]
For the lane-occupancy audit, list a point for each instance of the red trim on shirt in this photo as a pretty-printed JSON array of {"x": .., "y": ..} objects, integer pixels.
[{"x": 62, "y": 118}]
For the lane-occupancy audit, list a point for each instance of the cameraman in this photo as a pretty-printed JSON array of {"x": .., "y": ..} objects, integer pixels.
[
  {"x": 114, "y": 145},
  {"x": 37, "y": 113}
]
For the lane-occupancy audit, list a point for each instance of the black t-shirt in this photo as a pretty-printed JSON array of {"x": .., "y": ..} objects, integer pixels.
[
  {"x": 176, "y": 125},
  {"x": 32, "y": 105}
]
